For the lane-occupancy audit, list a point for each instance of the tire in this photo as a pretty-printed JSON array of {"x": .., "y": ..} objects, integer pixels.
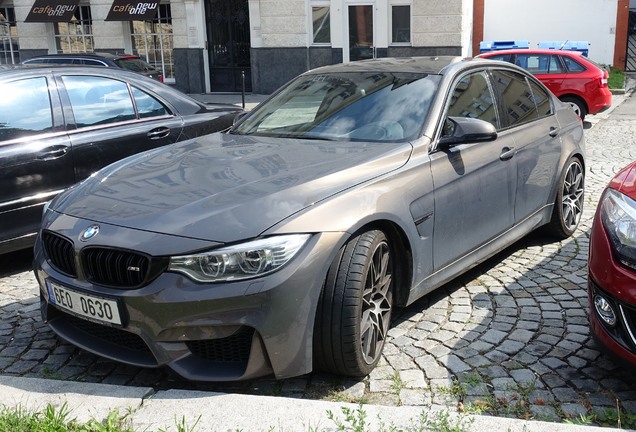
[
  {"x": 568, "y": 206},
  {"x": 354, "y": 310},
  {"x": 577, "y": 104}
]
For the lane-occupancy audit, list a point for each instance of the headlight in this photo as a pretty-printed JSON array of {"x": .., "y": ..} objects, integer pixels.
[
  {"x": 242, "y": 261},
  {"x": 618, "y": 213}
]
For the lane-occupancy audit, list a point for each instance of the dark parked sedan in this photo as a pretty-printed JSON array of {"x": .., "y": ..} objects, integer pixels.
[
  {"x": 129, "y": 62},
  {"x": 284, "y": 245},
  {"x": 60, "y": 125}
]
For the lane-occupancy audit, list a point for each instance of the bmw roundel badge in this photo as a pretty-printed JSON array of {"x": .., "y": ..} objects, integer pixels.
[{"x": 89, "y": 233}]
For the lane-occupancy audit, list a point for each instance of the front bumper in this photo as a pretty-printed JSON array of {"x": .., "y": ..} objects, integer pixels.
[
  {"x": 617, "y": 284},
  {"x": 209, "y": 332}
]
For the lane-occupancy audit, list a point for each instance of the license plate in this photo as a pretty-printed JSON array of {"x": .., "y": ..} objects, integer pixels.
[{"x": 89, "y": 306}]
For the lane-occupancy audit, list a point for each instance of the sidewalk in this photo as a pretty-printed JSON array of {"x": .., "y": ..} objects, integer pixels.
[{"x": 206, "y": 412}]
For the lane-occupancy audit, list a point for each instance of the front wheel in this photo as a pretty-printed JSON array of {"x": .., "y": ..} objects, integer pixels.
[
  {"x": 354, "y": 310},
  {"x": 568, "y": 206}
]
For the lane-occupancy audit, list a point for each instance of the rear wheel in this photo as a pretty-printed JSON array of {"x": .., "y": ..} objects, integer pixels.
[
  {"x": 354, "y": 310},
  {"x": 568, "y": 206},
  {"x": 577, "y": 105}
]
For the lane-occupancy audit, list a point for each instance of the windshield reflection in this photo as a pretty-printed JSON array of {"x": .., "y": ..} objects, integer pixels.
[{"x": 352, "y": 106}]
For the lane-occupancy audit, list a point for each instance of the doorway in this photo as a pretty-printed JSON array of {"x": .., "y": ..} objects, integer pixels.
[
  {"x": 228, "y": 30},
  {"x": 630, "y": 58},
  {"x": 360, "y": 25}
]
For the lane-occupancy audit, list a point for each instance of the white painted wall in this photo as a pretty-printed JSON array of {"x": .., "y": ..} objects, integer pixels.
[{"x": 554, "y": 20}]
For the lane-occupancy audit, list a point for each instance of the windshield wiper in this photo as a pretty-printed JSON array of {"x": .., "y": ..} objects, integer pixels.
[
  {"x": 286, "y": 135},
  {"x": 318, "y": 137}
]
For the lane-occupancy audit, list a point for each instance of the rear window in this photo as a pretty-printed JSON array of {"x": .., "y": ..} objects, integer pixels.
[
  {"x": 594, "y": 63},
  {"x": 502, "y": 57},
  {"x": 573, "y": 65},
  {"x": 133, "y": 64}
]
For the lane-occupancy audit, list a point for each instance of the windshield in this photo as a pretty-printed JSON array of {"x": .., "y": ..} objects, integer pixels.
[{"x": 356, "y": 106}]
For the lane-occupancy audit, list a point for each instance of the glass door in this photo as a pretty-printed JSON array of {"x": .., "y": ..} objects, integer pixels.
[{"x": 360, "y": 33}]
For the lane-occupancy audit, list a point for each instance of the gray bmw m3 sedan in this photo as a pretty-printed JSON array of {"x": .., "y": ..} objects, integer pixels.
[{"x": 284, "y": 245}]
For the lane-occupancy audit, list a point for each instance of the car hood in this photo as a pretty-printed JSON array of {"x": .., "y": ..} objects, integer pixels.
[
  {"x": 224, "y": 187},
  {"x": 625, "y": 181}
]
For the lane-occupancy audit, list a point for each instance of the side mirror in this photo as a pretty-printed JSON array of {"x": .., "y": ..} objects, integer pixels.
[
  {"x": 463, "y": 130},
  {"x": 239, "y": 117}
]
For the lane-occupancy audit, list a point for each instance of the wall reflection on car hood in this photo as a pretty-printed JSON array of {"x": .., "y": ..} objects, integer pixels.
[{"x": 226, "y": 187}]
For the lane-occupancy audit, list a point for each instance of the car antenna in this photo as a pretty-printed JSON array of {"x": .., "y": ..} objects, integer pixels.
[{"x": 563, "y": 44}]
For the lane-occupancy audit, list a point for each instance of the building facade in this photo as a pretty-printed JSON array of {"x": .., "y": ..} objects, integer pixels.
[
  {"x": 600, "y": 23},
  {"x": 223, "y": 45},
  {"x": 227, "y": 45}
]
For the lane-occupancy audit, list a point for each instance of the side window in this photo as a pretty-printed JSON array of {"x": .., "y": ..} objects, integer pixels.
[
  {"x": 97, "y": 101},
  {"x": 518, "y": 99},
  {"x": 573, "y": 65},
  {"x": 534, "y": 63},
  {"x": 472, "y": 97},
  {"x": 522, "y": 60},
  {"x": 555, "y": 65},
  {"x": 89, "y": 62},
  {"x": 541, "y": 100},
  {"x": 25, "y": 108},
  {"x": 147, "y": 106}
]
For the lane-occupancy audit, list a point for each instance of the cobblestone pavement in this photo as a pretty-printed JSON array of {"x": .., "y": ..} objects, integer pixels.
[{"x": 510, "y": 338}]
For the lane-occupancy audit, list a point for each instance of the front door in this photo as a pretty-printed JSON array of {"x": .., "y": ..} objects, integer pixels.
[
  {"x": 36, "y": 161},
  {"x": 475, "y": 183},
  {"x": 360, "y": 26},
  {"x": 228, "y": 28}
]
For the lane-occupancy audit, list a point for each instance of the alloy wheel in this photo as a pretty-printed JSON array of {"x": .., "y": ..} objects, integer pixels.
[
  {"x": 377, "y": 302},
  {"x": 573, "y": 195}
]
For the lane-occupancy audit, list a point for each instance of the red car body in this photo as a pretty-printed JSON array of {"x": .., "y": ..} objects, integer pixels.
[
  {"x": 612, "y": 267},
  {"x": 572, "y": 77}
]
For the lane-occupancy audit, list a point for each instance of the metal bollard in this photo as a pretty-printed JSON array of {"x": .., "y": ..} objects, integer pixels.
[{"x": 243, "y": 87}]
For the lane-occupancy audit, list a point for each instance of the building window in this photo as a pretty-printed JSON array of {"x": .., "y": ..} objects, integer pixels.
[
  {"x": 152, "y": 40},
  {"x": 9, "y": 49},
  {"x": 75, "y": 36},
  {"x": 401, "y": 24},
  {"x": 321, "y": 24}
]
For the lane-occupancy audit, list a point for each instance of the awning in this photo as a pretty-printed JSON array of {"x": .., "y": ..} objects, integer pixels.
[
  {"x": 126, "y": 10},
  {"x": 52, "y": 11}
]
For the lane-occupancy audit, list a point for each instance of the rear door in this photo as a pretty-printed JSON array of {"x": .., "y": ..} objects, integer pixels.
[
  {"x": 547, "y": 68},
  {"x": 112, "y": 120},
  {"x": 528, "y": 115},
  {"x": 36, "y": 162}
]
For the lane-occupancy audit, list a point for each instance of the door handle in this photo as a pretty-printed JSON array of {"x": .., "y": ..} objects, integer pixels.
[
  {"x": 554, "y": 131},
  {"x": 159, "y": 133},
  {"x": 52, "y": 152},
  {"x": 507, "y": 153}
]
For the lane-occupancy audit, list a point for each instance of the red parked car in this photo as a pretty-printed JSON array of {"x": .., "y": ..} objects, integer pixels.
[
  {"x": 572, "y": 77},
  {"x": 612, "y": 267}
]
